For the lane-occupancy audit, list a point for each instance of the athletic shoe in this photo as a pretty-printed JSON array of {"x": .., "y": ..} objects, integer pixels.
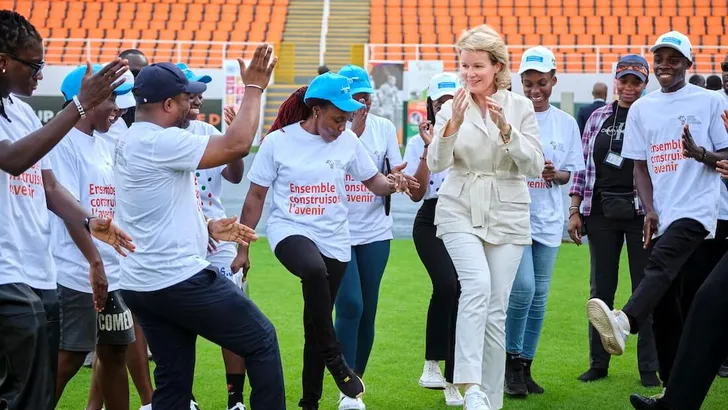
[
  {"x": 613, "y": 326},
  {"x": 347, "y": 403},
  {"x": 659, "y": 395},
  {"x": 514, "y": 382},
  {"x": 147, "y": 407},
  {"x": 531, "y": 385},
  {"x": 453, "y": 398},
  {"x": 346, "y": 380},
  {"x": 238, "y": 406},
  {"x": 194, "y": 405},
  {"x": 645, "y": 403},
  {"x": 88, "y": 362},
  {"x": 432, "y": 376},
  {"x": 593, "y": 375},
  {"x": 149, "y": 353},
  {"x": 475, "y": 399}
]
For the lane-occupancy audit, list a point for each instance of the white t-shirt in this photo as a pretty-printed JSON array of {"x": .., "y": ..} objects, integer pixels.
[
  {"x": 25, "y": 255},
  {"x": 157, "y": 205},
  {"x": 561, "y": 145},
  {"x": 209, "y": 189},
  {"x": 682, "y": 187},
  {"x": 367, "y": 221},
  {"x": 83, "y": 165},
  {"x": 307, "y": 176},
  {"x": 117, "y": 129},
  {"x": 412, "y": 153}
]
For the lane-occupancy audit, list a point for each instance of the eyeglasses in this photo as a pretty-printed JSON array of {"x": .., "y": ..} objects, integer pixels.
[
  {"x": 724, "y": 66},
  {"x": 36, "y": 68},
  {"x": 632, "y": 67}
]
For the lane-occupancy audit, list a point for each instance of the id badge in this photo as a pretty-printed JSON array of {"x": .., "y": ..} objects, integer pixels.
[{"x": 614, "y": 159}]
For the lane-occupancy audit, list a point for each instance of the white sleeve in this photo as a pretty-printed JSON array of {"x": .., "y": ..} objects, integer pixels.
[
  {"x": 717, "y": 132},
  {"x": 412, "y": 154},
  {"x": 264, "y": 170},
  {"x": 179, "y": 150},
  {"x": 393, "y": 152},
  {"x": 361, "y": 166},
  {"x": 575, "y": 153},
  {"x": 634, "y": 145},
  {"x": 65, "y": 168}
]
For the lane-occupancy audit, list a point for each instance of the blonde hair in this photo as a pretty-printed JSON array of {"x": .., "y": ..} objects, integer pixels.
[{"x": 485, "y": 38}]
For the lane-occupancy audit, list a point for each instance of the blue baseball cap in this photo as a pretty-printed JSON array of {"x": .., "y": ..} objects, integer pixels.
[
  {"x": 157, "y": 82},
  {"x": 191, "y": 75},
  {"x": 334, "y": 88},
  {"x": 71, "y": 84},
  {"x": 633, "y": 64},
  {"x": 359, "y": 79}
]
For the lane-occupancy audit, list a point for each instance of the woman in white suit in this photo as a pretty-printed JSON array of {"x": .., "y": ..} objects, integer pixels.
[{"x": 489, "y": 139}]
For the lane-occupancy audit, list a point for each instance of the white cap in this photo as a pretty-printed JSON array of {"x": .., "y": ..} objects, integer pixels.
[
  {"x": 675, "y": 40},
  {"x": 127, "y": 100},
  {"x": 442, "y": 84},
  {"x": 537, "y": 58}
]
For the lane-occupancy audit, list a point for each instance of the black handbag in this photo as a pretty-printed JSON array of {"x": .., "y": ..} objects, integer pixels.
[
  {"x": 388, "y": 198},
  {"x": 618, "y": 205}
]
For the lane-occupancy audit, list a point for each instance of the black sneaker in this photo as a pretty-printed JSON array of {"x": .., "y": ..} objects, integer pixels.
[
  {"x": 346, "y": 380},
  {"x": 723, "y": 371},
  {"x": 515, "y": 383},
  {"x": 593, "y": 375},
  {"x": 531, "y": 386},
  {"x": 645, "y": 403}
]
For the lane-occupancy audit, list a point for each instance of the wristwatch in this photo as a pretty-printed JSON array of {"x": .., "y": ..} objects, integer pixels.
[{"x": 87, "y": 223}]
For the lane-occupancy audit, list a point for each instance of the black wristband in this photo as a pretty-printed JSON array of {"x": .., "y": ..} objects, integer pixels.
[
  {"x": 87, "y": 223},
  {"x": 705, "y": 152}
]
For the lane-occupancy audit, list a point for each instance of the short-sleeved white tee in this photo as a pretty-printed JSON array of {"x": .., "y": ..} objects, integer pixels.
[
  {"x": 681, "y": 187},
  {"x": 561, "y": 145},
  {"x": 367, "y": 221},
  {"x": 83, "y": 165},
  {"x": 209, "y": 189},
  {"x": 307, "y": 178},
  {"x": 157, "y": 205},
  {"x": 25, "y": 255}
]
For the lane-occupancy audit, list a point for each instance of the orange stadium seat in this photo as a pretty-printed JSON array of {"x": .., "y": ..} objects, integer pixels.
[
  {"x": 166, "y": 30},
  {"x": 587, "y": 35}
]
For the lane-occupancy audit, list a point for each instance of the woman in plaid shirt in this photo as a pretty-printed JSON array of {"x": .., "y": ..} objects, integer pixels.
[{"x": 606, "y": 195}]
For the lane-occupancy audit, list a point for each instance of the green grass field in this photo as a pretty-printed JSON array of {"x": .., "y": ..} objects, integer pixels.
[{"x": 398, "y": 355}]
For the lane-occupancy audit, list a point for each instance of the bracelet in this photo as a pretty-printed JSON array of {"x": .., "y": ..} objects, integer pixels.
[
  {"x": 423, "y": 158},
  {"x": 705, "y": 152},
  {"x": 79, "y": 107},
  {"x": 573, "y": 207},
  {"x": 254, "y": 86},
  {"x": 427, "y": 145},
  {"x": 87, "y": 223}
]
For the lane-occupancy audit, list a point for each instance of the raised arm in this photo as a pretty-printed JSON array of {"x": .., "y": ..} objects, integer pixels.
[
  {"x": 16, "y": 157},
  {"x": 239, "y": 136}
]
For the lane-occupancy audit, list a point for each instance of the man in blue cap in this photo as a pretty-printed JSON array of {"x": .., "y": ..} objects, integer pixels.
[
  {"x": 676, "y": 137},
  {"x": 82, "y": 164},
  {"x": 174, "y": 292}
]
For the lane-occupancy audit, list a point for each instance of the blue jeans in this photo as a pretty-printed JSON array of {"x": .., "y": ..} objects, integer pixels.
[
  {"x": 356, "y": 303},
  {"x": 527, "y": 304},
  {"x": 209, "y": 305}
]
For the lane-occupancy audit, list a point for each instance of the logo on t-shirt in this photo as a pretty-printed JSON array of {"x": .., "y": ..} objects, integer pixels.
[
  {"x": 689, "y": 120},
  {"x": 335, "y": 164}
]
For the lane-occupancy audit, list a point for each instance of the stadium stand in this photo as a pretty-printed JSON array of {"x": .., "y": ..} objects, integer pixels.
[
  {"x": 586, "y": 35},
  {"x": 197, "y": 31}
]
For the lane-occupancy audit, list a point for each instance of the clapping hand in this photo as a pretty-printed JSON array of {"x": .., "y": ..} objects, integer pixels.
[
  {"x": 106, "y": 231},
  {"x": 229, "y": 112},
  {"x": 426, "y": 132},
  {"x": 95, "y": 88},
  {"x": 260, "y": 69},
  {"x": 495, "y": 110},
  {"x": 459, "y": 105},
  {"x": 690, "y": 148},
  {"x": 402, "y": 182},
  {"x": 227, "y": 229}
]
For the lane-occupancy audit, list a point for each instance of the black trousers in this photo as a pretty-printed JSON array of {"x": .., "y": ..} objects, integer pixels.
[
  {"x": 320, "y": 279},
  {"x": 663, "y": 290},
  {"x": 443, "y": 310},
  {"x": 209, "y": 305},
  {"x": 606, "y": 238},
  {"x": 29, "y": 335},
  {"x": 704, "y": 343}
]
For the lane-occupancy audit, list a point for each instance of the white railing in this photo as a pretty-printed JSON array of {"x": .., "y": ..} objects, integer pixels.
[
  {"x": 70, "y": 51},
  {"x": 569, "y": 59},
  {"x": 324, "y": 31}
]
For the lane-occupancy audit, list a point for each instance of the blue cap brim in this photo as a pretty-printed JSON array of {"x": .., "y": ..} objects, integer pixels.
[
  {"x": 203, "y": 79},
  {"x": 368, "y": 90},
  {"x": 639, "y": 75},
  {"x": 196, "y": 87},
  {"x": 348, "y": 105}
]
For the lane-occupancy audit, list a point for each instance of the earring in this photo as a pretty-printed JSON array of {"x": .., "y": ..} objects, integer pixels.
[{"x": 3, "y": 71}]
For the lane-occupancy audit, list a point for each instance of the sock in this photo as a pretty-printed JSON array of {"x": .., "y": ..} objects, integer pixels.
[{"x": 235, "y": 384}]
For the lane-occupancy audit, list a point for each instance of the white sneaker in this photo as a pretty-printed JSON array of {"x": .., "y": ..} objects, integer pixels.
[
  {"x": 475, "y": 399},
  {"x": 238, "y": 406},
  {"x": 453, "y": 397},
  {"x": 147, "y": 407},
  {"x": 89, "y": 360},
  {"x": 432, "y": 376},
  {"x": 613, "y": 326},
  {"x": 194, "y": 405},
  {"x": 658, "y": 396},
  {"x": 149, "y": 353},
  {"x": 349, "y": 403}
]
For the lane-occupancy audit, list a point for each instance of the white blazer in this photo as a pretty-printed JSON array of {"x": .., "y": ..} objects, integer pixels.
[{"x": 485, "y": 192}]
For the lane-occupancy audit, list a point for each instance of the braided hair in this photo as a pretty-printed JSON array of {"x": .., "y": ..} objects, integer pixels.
[
  {"x": 15, "y": 33},
  {"x": 295, "y": 109}
]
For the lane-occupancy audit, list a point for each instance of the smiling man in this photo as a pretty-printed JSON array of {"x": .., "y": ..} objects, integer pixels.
[{"x": 671, "y": 135}]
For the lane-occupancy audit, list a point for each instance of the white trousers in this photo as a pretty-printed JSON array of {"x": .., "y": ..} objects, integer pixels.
[{"x": 486, "y": 273}]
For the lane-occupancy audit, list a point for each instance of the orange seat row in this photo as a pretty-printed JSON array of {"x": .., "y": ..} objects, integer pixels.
[{"x": 162, "y": 29}]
